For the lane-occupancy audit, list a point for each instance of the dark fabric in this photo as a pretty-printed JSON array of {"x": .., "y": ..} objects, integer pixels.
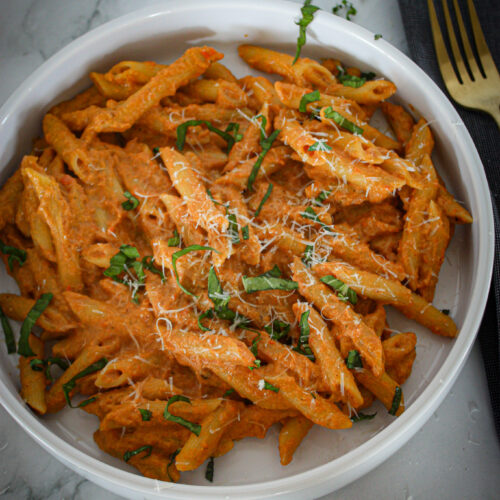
[{"x": 486, "y": 136}]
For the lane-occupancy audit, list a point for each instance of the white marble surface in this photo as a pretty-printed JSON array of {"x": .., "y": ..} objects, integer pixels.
[{"x": 455, "y": 455}]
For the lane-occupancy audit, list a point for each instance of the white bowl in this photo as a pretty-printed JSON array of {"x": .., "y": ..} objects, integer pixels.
[{"x": 327, "y": 460}]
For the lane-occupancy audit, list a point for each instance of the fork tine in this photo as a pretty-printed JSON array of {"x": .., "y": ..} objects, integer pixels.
[
  {"x": 447, "y": 71},
  {"x": 462, "y": 70},
  {"x": 471, "y": 60},
  {"x": 482, "y": 48}
]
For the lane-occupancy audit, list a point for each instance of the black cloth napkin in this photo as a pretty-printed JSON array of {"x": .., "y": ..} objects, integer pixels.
[{"x": 486, "y": 136}]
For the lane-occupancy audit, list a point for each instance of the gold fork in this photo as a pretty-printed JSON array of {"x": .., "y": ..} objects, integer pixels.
[{"x": 470, "y": 90}]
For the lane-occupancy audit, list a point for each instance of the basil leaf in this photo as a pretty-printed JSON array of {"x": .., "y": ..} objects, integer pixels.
[
  {"x": 147, "y": 262},
  {"x": 175, "y": 240},
  {"x": 362, "y": 416},
  {"x": 10, "y": 340},
  {"x": 37, "y": 365},
  {"x": 156, "y": 150},
  {"x": 277, "y": 329},
  {"x": 207, "y": 314},
  {"x": 308, "y": 255},
  {"x": 307, "y": 11},
  {"x": 344, "y": 293},
  {"x": 15, "y": 254},
  {"x": 264, "y": 199},
  {"x": 396, "y": 401},
  {"x": 265, "y": 144},
  {"x": 129, "y": 454},
  {"x": 343, "y": 122},
  {"x": 303, "y": 344},
  {"x": 351, "y": 80},
  {"x": 271, "y": 387},
  {"x": 310, "y": 214},
  {"x": 132, "y": 202},
  {"x": 172, "y": 461},
  {"x": 307, "y": 99},
  {"x": 233, "y": 229},
  {"x": 214, "y": 201},
  {"x": 215, "y": 292},
  {"x": 23, "y": 347},
  {"x": 245, "y": 232},
  {"x": 70, "y": 385},
  {"x": 182, "y": 130},
  {"x": 145, "y": 414},
  {"x": 87, "y": 402},
  {"x": 350, "y": 9},
  {"x": 180, "y": 253},
  {"x": 323, "y": 196},
  {"x": 209, "y": 472},
  {"x": 273, "y": 273},
  {"x": 228, "y": 393},
  {"x": 445, "y": 311},
  {"x": 194, "y": 428},
  {"x": 377, "y": 36},
  {"x": 261, "y": 283},
  {"x": 234, "y": 127},
  {"x": 256, "y": 364},
  {"x": 353, "y": 360},
  {"x": 254, "y": 348},
  {"x": 369, "y": 75},
  {"x": 320, "y": 145}
]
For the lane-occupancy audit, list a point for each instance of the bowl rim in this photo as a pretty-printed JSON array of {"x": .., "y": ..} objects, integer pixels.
[{"x": 338, "y": 472}]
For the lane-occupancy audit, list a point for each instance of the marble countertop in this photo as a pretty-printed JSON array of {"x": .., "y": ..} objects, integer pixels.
[{"x": 455, "y": 455}]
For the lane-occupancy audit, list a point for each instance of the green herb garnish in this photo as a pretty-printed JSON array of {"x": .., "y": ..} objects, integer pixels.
[
  {"x": 362, "y": 416},
  {"x": 323, "y": 196},
  {"x": 277, "y": 329},
  {"x": 377, "y": 36},
  {"x": 343, "y": 122},
  {"x": 445, "y": 311},
  {"x": 233, "y": 229},
  {"x": 194, "y": 428},
  {"x": 175, "y": 240},
  {"x": 303, "y": 344},
  {"x": 310, "y": 214},
  {"x": 350, "y": 9},
  {"x": 344, "y": 293},
  {"x": 308, "y": 255},
  {"x": 132, "y": 202},
  {"x": 207, "y": 314},
  {"x": 353, "y": 359},
  {"x": 228, "y": 393},
  {"x": 320, "y": 145},
  {"x": 264, "y": 199},
  {"x": 129, "y": 454},
  {"x": 267, "y": 282},
  {"x": 209, "y": 472},
  {"x": 180, "y": 253},
  {"x": 70, "y": 385},
  {"x": 39, "y": 365},
  {"x": 350, "y": 80},
  {"x": 145, "y": 414},
  {"x": 156, "y": 150},
  {"x": 307, "y": 11},
  {"x": 230, "y": 139},
  {"x": 10, "y": 341},
  {"x": 270, "y": 387},
  {"x": 265, "y": 144},
  {"x": 23, "y": 347},
  {"x": 245, "y": 232},
  {"x": 15, "y": 254},
  {"x": 308, "y": 99},
  {"x": 396, "y": 401}
]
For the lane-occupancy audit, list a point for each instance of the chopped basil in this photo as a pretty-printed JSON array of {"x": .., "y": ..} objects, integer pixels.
[
  {"x": 254, "y": 348},
  {"x": 377, "y": 36},
  {"x": 270, "y": 387},
  {"x": 172, "y": 461},
  {"x": 145, "y": 414},
  {"x": 350, "y": 9},
  {"x": 396, "y": 401},
  {"x": 228, "y": 393},
  {"x": 233, "y": 229},
  {"x": 256, "y": 364},
  {"x": 214, "y": 201},
  {"x": 180, "y": 253},
  {"x": 245, "y": 232},
  {"x": 343, "y": 122},
  {"x": 15, "y": 254},
  {"x": 264, "y": 199},
  {"x": 23, "y": 347},
  {"x": 308, "y": 255},
  {"x": 156, "y": 150},
  {"x": 307, "y": 11},
  {"x": 39, "y": 365},
  {"x": 310, "y": 214},
  {"x": 323, "y": 196},
  {"x": 370, "y": 75},
  {"x": 277, "y": 329},
  {"x": 209, "y": 472},
  {"x": 194, "y": 428},
  {"x": 362, "y": 416},
  {"x": 273, "y": 273},
  {"x": 132, "y": 202},
  {"x": 70, "y": 385},
  {"x": 175, "y": 240},
  {"x": 129, "y": 454},
  {"x": 147, "y": 262},
  {"x": 320, "y": 145},
  {"x": 353, "y": 359},
  {"x": 261, "y": 283},
  {"x": 207, "y": 314},
  {"x": 303, "y": 344},
  {"x": 265, "y": 144},
  {"x": 215, "y": 291},
  {"x": 351, "y": 80},
  {"x": 445, "y": 311},
  {"x": 87, "y": 402},
  {"x": 230, "y": 139},
  {"x": 344, "y": 293},
  {"x": 307, "y": 99},
  {"x": 10, "y": 341}
]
